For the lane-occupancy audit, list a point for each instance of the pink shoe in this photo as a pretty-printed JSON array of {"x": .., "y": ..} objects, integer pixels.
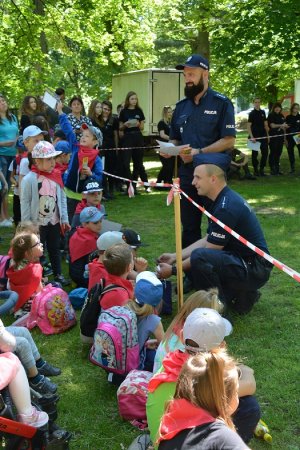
[{"x": 36, "y": 419}]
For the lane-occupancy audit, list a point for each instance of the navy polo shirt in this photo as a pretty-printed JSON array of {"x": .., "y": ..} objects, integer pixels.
[
  {"x": 233, "y": 210},
  {"x": 202, "y": 125}
]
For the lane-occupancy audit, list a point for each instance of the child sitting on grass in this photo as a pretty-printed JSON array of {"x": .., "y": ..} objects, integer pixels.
[
  {"x": 96, "y": 267},
  {"x": 25, "y": 271},
  {"x": 118, "y": 262},
  {"x": 12, "y": 374},
  {"x": 148, "y": 294},
  {"x": 20, "y": 341},
  {"x": 83, "y": 242},
  {"x": 172, "y": 341},
  {"x": 91, "y": 196}
]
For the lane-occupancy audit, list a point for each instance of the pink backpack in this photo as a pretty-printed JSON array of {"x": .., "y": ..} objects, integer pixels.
[
  {"x": 116, "y": 347},
  {"x": 132, "y": 397},
  {"x": 51, "y": 311}
]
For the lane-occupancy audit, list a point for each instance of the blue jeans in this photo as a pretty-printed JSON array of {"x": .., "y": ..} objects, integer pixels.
[
  {"x": 246, "y": 417},
  {"x": 10, "y": 299},
  {"x": 4, "y": 165}
]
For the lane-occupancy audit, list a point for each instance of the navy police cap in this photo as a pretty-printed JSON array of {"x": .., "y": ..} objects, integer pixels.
[
  {"x": 194, "y": 61},
  {"x": 221, "y": 160}
]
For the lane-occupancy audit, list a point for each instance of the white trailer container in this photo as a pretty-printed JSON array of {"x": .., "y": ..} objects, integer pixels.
[{"x": 155, "y": 89}]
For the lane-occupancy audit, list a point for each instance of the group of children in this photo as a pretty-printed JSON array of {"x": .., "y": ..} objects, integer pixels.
[{"x": 62, "y": 186}]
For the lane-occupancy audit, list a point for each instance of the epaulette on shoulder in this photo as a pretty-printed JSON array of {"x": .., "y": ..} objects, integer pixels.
[
  {"x": 181, "y": 101},
  {"x": 217, "y": 94}
]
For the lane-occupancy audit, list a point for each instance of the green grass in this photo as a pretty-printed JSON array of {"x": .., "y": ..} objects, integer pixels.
[{"x": 267, "y": 339}]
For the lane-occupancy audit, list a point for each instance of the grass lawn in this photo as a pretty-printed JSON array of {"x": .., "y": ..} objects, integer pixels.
[{"x": 267, "y": 339}]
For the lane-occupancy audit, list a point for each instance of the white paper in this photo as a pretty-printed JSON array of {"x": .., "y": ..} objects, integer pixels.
[
  {"x": 253, "y": 145},
  {"x": 50, "y": 100},
  {"x": 169, "y": 148},
  {"x": 296, "y": 138}
]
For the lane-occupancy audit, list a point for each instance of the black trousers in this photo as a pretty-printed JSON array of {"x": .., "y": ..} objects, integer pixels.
[
  {"x": 137, "y": 155},
  {"x": 50, "y": 238},
  {"x": 276, "y": 146},
  {"x": 235, "y": 278},
  {"x": 166, "y": 173},
  {"x": 290, "y": 149},
  {"x": 264, "y": 155}
]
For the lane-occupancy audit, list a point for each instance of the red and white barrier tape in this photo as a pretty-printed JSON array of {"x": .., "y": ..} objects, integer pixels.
[
  {"x": 175, "y": 188},
  {"x": 291, "y": 272},
  {"x": 276, "y": 135}
]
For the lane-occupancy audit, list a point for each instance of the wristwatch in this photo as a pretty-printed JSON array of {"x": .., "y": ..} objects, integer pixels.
[{"x": 174, "y": 269}]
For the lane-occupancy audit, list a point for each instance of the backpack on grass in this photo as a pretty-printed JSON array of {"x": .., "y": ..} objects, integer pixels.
[
  {"x": 116, "y": 347},
  {"x": 91, "y": 308},
  {"x": 132, "y": 397},
  {"x": 51, "y": 311}
]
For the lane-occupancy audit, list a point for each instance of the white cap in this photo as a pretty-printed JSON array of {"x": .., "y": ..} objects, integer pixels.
[
  {"x": 207, "y": 328},
  {"x": 108, "y": 239}
]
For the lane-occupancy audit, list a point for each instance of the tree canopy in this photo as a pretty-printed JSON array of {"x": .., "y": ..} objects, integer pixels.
[{"x": 253, "y": 46}]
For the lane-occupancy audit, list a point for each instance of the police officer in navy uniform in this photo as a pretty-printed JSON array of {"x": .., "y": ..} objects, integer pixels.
[
  {"x": 219, "y": 259},
  {"x": 257, "y": 127},
  {"x": 204, "y": 120}
]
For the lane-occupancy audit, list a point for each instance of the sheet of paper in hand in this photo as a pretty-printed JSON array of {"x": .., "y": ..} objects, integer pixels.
[
  {"x": 253, "y": 145},
  {"x": 171, "y": 149},
  {"x": 297, "y": 139},
  {"x": 50, "y": 99}
]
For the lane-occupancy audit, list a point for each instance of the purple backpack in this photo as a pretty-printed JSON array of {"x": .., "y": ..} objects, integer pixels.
[{"x": 116, "y": 347}]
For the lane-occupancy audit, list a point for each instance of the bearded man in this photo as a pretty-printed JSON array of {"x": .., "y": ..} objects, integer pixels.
[{"x": 204, "y": 120}]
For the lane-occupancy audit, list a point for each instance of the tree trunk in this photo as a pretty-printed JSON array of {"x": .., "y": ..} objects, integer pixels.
[{"x": 201, "y": 44}]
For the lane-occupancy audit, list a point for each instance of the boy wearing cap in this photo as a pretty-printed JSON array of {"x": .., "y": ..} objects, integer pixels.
[
  {"x": 133, "y": 239},
  {"x": 96, "y": 268},
  {"x": 43, "y": 201},
  {"x": 62, "y": 160},
  {"x": 83, "y": 242},
  {"x": 84, "y": 161},
  {"x": 204, "y": 330},
  {"x": 91, "y": 196}
]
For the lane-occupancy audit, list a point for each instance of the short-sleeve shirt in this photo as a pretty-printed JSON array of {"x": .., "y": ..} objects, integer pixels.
[
  {"x": 78, "y": 122},
  {"x": 233, "y": 210},
  {"x": 201, "y": 125},
  {"x": 128, "y": 114},
  {"x": 146, "y": 326},
  {"x": 293, "y": 122},
  {"x": 277, "y": 119},
  {"x": 108, "y": 131},
  {"x": 163, "y": 126},
  {"x": 257, "y": 119},
  {"x": 9, "y": 131}
]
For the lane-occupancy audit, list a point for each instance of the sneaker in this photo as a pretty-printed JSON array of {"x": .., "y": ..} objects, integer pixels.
[
  {"x": 62, "y": 280},
  {"x": 36, "y": 419},
  {"x": 47, "y": 271},
  {"x": 148, "y": 190},
  {"x": 48, "y": 371},
  {"x": 45, "y": 386}
]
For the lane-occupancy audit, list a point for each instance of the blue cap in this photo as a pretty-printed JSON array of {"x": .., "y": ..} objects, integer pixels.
[
  {"x": 20, "y": 143},
  {"x": 90, "y": 214},
  {"x": 63, "y": 146},
  {"x": 32, "y": 131},
  {"x": 221, "y": 160},
  {"x": 148, "y": 289},
  {"x": 194, "y": 61}
]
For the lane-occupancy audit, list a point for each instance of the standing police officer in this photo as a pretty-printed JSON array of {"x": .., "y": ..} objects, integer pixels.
[
  {"x": 257, "y": 127},
  {"x": 204, "y": 120}
]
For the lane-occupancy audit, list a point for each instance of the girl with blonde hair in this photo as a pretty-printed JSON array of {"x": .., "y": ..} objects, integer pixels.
[
  {"x": 171, "y": 341},
  {"x": 199, "y": 415}
]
